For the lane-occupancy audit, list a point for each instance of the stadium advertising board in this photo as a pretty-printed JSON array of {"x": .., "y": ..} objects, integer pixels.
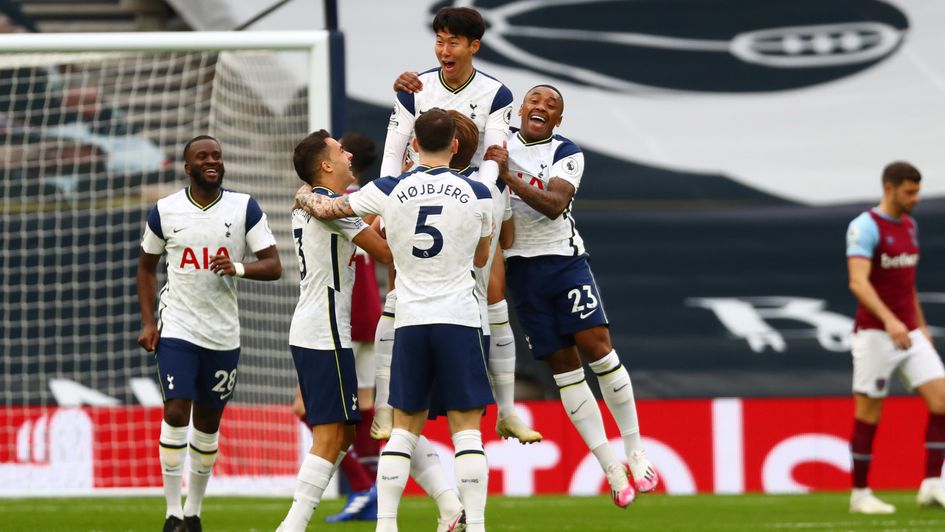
[{"x": 700, "y": 446}]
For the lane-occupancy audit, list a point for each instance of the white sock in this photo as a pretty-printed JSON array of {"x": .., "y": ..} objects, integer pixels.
[
  {"x": 203, "y": 453},
  {"x": 427, "y": 470},
  {"x": 172, "y": 448},
  {"x": 393, "y": 470},
  {"x": 309, "y": 487},
  {"x": 383, "y": 352},
  {"x": 472, "y": 477},
  {"x": 502, "y": 358},
  {"x": 581, "y": 406},
  {"x": 617, "y": 390}
]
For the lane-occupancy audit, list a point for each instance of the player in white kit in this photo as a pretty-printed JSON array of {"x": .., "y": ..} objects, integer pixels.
[
  {"x": 205, "y": 231},
  {"x": 438, "y": 343},
  {"x": 457, "y": 85},
  {"x": 555, "y": 294},
  {"x": 320, "y": 335}
]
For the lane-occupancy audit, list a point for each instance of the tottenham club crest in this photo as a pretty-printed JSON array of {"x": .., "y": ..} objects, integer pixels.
[{"x": 717, "y": 46}]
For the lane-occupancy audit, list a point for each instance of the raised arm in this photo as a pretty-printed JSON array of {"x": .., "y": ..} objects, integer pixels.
[
  {"x": 323, "y": 207},
  {"x": 551, "y": 201}
]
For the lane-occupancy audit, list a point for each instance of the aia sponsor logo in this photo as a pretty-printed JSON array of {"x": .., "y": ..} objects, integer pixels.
[
  {"x": 199, "y": 258},
  {"x": 710, "y": 46}
]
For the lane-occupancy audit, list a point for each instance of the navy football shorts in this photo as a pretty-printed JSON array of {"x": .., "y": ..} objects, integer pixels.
[
  {"x": 188, "y": 371},
  {"x": 329, "y": 383},
  {"x": 554, "y": 297},
  {"x": 442, "y": 358}
]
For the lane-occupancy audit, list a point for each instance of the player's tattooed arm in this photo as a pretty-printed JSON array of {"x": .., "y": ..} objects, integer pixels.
[
  {"x": 552, "y": 201},
  {"x": 323, "y": 207}
]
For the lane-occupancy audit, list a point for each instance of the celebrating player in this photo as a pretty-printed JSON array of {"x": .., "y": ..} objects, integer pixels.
[
  {"x": 320, "y": 335},
  {"x": 554, "y": 291},
  {"x": 204, "y": 230},
  {"x": 457, "y": 85},
  {"x": 891, "y": 334},
  {"x": 429, "y": 212}
]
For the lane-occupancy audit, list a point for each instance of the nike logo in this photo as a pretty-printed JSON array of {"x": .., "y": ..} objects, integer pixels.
[
  {"x": 510, "y": 342},
  {"x": 179, "y": 229},
  {"x": 387, "y": 339},
  {"x": 622, "y": 387},
  {"x": 579, "y": 407},
  {"x": 586, "y": 314}
]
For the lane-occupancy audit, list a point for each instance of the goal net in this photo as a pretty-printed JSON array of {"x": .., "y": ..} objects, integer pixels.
[{"x": 91, "y": 132}]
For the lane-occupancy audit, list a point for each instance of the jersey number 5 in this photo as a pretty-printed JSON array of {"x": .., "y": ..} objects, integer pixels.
[{"x": 423, "y": 228}]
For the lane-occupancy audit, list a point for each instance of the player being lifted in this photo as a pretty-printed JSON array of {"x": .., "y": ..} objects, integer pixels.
[
  {"x": 891, "y": 335},
  {"x": 438, "y": 343},
  {"x": 204, "y": 230},
  {"x": 320, "y": 335},
  {"x": 555, "y": 294},
  {"x": 457, "y": 85}
]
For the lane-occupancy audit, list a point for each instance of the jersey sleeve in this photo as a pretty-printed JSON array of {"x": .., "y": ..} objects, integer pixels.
[
  {"x": 153, "y": 240},
  {"x": 485, "y": 215},
  {"x": 399, "y": 130},
  {"x": 370, "y": 199},
  {"x": 568, "y": 164},
  {"x": 348, "y": 227},
  {"x": 507, "y": 200},
  {"x": 862, "y": 236},
  {"x": 258, "y": 234},
  {"x": 500, "y": 116}
]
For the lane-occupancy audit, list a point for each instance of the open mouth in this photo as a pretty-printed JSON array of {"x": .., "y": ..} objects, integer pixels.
[
  {"x": 448, "y": 65},
  {"x": 211, "y": 172},
  {"x": 537, "y": 120}
]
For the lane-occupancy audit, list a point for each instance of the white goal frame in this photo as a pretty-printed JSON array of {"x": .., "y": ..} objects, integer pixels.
[{"x": 313, "y": 41}]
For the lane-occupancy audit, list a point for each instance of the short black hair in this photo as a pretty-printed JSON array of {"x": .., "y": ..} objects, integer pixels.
[
  {"x": 547, "y": 86},
  {"x": 195, "y": 139},
  {"x": 434, "y": 129},
  {"x": 308, "y": 153},
  {"x": 899, "y": 171},
  {"x": 363, "y": 152},
  {"x": 461, "y": 21}
]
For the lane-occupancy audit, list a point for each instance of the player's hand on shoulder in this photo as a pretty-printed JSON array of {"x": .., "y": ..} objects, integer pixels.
[
  {"x": 149, "y": 337},
  {"x": 408, "y": 82},
  {"x": 898, "y": 333},
  {"x": 408, "y": 164},
  {"x": 499, "y": 154}
]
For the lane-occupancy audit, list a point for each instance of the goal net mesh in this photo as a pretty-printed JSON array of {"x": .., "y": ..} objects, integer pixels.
[{"x": 89, "y": 142}]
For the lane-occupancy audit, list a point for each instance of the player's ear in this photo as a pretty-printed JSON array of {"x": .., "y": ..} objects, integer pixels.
[
  {"x": 415, "y": 145},
  {"x": 454, "y": 146},
  {"x": 325, "y": 165},
  {"x": 474, "y": 46}
]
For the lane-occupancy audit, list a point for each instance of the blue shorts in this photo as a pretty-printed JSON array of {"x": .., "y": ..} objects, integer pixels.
[
  {"x": 329, "y": 383},
  {"x": 436, "y": 401},
  {"x": 188, "y": 371},
  {"x": 442, "y": 358},
  {"x": 554, "y": 297}
]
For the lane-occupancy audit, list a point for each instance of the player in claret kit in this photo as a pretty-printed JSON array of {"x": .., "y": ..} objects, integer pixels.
[
  {"x": 890, "y": 334},
  {"x": 555, "y": 294},
  {"x": 320, "y": 335},
  {"x": 205, "y": 231}
]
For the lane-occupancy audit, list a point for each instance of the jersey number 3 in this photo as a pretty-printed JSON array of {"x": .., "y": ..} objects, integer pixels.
[
  {"x": 423, "y": 228},
  {"x": 297, "y": 232}
]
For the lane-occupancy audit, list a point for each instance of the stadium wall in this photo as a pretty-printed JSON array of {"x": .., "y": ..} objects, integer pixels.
[{"x": 723, "y": 445}]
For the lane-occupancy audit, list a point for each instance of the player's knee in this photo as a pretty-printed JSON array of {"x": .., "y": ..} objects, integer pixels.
[{"x": 177, "y": 412}]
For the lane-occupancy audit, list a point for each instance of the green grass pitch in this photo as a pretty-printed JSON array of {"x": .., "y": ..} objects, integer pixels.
[{"x": 815, "y": 512}]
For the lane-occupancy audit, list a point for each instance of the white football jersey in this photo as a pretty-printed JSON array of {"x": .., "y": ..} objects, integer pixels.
[
  {"x": 196, "y": 304},
  {"x": 501, "y": 211},
  {"x": 482, "y": 98},
  {"x": 322, "y": 318},
  {"x": 434, "y": 220},
  {"x": 536, "y": 163}
]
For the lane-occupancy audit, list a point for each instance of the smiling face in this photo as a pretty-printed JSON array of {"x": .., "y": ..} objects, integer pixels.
[
  {"x": 455, "y": 54},
  {"x": 336, "y": 166},
  {"x": 541, "y": 113},
  {"x": 203, "y": 162}
]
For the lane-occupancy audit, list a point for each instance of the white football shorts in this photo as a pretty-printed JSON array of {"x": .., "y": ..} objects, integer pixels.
[{"x": 875, "y": 358}]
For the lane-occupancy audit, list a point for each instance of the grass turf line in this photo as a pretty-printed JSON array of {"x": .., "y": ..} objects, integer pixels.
[{"x": 812, "y": 512}]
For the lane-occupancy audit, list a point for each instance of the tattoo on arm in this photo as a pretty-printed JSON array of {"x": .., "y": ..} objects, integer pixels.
[
  {"x": 325, "y": 208},
  {"x": 551, "y": 202}
]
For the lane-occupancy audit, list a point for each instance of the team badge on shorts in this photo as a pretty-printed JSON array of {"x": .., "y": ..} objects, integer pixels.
[{"x": 880, "y": 384}]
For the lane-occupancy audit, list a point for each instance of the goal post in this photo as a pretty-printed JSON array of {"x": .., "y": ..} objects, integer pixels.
[{"x": 91, "y": 132}]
